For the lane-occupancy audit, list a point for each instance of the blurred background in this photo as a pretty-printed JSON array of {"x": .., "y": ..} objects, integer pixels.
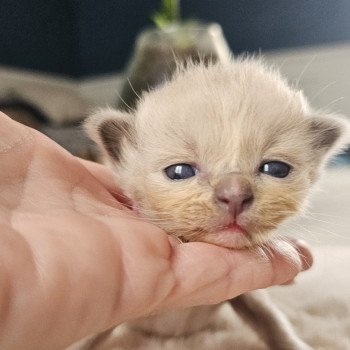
[
  {"x": 59, "y": 59},
  {"x": 84, "y": 38}
]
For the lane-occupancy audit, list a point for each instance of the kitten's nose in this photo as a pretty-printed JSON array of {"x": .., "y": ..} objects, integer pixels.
[{"x": 234, "y": 193}]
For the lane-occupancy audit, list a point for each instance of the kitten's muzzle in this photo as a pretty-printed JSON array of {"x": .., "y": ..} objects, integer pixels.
[{"x": 234, "y": 194}]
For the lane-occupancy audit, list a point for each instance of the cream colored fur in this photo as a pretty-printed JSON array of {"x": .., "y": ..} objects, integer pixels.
[
  {"x": 228, "y": 118},
  {"x": 223, "y": 119}
]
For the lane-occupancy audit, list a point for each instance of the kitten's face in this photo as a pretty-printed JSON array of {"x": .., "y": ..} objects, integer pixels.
[{"x": 221, "y": 155}]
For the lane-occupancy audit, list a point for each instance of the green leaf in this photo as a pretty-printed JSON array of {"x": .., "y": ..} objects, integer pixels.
[{"x": 168, "y": 14}]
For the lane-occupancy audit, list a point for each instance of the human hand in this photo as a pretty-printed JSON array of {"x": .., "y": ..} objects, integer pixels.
[{"x": 74, "y": 261}]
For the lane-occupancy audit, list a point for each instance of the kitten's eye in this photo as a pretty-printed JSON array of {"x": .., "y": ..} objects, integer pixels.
[
  {"x": 275, "y": 169},
  {"x": 180, "y": 171}
]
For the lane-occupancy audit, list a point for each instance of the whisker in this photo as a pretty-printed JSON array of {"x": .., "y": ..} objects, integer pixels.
[
  {"x": 126, "y": 105},
  {"x": 311, "y": 217},
  {"x": 304, "y": 70},
  {"x": 321, "y": 91},
  {"x": 333, "y": 102},
  {"x": 327, "y": 215},
  {"x": 132, "y": 88}
]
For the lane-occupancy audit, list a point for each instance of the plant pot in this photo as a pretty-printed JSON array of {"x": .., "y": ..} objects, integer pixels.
[{"x": 157, "y": 51}]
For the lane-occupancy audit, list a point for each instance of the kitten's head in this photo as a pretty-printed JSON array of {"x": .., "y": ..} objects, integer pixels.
[{"x": 220, "y": 154}]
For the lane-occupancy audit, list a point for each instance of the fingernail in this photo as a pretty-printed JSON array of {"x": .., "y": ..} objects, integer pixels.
[
  {"x": 304, "y": 253},
  {"x": 174, "y": 241}
]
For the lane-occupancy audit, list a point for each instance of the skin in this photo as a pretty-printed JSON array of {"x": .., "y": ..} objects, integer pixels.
[{"x": 74, "y": 261}]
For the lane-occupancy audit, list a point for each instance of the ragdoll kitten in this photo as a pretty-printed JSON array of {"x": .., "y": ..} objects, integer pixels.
[{"x": 220, "y": 154}]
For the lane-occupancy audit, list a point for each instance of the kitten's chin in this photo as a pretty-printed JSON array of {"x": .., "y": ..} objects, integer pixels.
[
  {"x": 232, "y": 236},
  {"x": 238, "y": 237}
]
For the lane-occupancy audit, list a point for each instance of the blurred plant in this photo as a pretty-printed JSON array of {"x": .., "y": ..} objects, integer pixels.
[
  {"x": 168, "y": 14},
  {"x": 158, "y": 51}
]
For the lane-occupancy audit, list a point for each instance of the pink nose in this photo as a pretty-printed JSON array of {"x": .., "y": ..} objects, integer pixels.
[{"x": 234, "y": 194}]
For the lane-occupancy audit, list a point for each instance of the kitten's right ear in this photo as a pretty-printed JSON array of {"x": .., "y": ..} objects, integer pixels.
[
  {"x": 329, "y": 134},
  {"x": 111, "y": 130}
]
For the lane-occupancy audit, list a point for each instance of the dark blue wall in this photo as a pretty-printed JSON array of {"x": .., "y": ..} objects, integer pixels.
[
  {"x": 87, "y": 37},
  {"x": 39, "y": 34}
]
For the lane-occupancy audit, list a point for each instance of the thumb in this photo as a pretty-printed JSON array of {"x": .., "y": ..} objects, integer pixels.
[{"x": 210, "y": 274}]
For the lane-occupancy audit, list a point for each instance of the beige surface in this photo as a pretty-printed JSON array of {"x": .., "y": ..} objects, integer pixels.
[
  {"x": 319, "y": 302},
  {"x": 323, "y": 72},
  {"x": 327, "y": 220}
]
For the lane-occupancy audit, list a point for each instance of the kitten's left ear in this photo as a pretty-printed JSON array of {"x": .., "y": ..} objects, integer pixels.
[
  {"x": 112, "y": 130},
  {"x": 329, "y": 134}
]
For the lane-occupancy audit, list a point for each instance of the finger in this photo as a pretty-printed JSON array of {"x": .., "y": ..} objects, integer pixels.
[
  {"x": 101, "y": 173},
  {"x": 210, "y": 274},
  {"x": 16, "y": 150},
  {"x": 304, "y": 253},
  {"x": 107, "y": 179},
  {"x": 288, "y": 283},
  {"x": 12, "y": 134},
  {"x": 174, "y": 241},
  {"x": 303, "y": 250}
]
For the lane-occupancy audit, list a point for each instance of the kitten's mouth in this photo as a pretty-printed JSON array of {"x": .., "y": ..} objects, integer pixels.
[
  {"x": 235, "y": 228},
  {"x": 232, "y": 235}
]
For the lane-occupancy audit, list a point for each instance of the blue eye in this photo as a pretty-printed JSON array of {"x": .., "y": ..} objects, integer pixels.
[
  {"x": 180, "y": 171},
  {"x": 275, "y": 169}
]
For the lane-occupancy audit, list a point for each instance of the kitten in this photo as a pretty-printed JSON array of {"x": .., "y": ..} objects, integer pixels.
[{"x": 220, "y": 154}]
